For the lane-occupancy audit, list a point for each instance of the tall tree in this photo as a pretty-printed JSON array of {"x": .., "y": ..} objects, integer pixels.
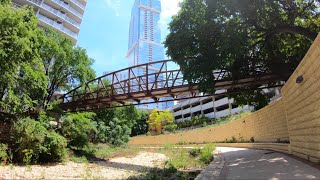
[
  {"x": 65, "y": 66},
  {"x": 22, "y": 79},
  {"x": 241, "y": 36}
]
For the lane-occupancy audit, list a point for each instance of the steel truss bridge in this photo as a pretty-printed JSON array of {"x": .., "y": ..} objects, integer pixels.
[{"x": 157, "y": 82}]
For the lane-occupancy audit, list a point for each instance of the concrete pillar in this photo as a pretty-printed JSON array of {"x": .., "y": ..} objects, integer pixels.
[
  {"x": 214, "y": 109},
  {"x": 182, "y": 114},
  {"x": 202, "y": 113}
]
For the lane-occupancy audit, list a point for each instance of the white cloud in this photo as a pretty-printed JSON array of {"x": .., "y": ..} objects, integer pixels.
[
  {"x": 169, "y": 8},
  {"x": 114, "y": 5}
]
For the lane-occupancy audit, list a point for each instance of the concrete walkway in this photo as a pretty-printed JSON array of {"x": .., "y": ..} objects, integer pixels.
[{"x": 242, "y": 163}]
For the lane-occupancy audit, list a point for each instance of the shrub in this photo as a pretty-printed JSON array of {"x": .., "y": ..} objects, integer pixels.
[
  {"x": 204, "y": 124},
  {"x": 206, "y": 155},
  {"x": 55, "y": 145},
  {"x": 170, "y": 127},
  {"x": 77, "y": 128},
  {"x": 194, "y": 152},
  {"x": 100, "y": 134},
  {"x": 34, "y": 143},
  {"x": 118, "y": 133},
  {"x": 179, "y": 161},
  {"x": 3, "y": 153}
]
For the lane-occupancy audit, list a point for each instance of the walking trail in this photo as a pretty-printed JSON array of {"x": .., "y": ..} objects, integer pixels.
[{"x": 242, "y": 163}]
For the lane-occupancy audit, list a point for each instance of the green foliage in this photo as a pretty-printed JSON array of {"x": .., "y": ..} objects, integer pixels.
[
  {"x": 34, "y": 143},
  {"x": 170, "y": 127},
  {"x": 3, "y": 153},
  {"x": 100, "y": 134},
  {"x": 22, "y": 80},
  {"x": 65, "y": 66},
  {"x": 241, "y": 36},
  {"x": 195, "y": 121},
  {"x": 141, "y": 126},
  {"x": 194, "y": 152},
  {"x": 158, "y": 119},
  {"x": 115, "y": 125},
  {"x": 105, "y": 151},
  {"x": 118, "y": 133},
  {"x": 77, "y": 128},
  {"x": 179, "y": 161},
  {"x": 55, "y": 147},
  {"x": 206, "y": 155},
  {"x": 165, "y": 118},
  {"x": 36, "y": 63}
]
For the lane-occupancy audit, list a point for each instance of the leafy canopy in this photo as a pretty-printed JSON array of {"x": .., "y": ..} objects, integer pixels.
[
  {"x": 240, "y": 36},
  {"x": 36, "y": 63},
  {"x": 22, "y": 80},
  {"x": 159, "y": 119},
  {"x": 65, "y": 66}
]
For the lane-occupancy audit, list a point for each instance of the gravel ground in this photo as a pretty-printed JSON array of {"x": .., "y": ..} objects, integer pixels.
[{"x": 116, "y": 168}]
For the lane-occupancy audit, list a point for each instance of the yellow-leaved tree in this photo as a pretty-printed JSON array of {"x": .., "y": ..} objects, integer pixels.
[{"x": 158, "y": 119}]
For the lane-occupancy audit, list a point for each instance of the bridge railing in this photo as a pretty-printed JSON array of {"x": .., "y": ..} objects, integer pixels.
[{"x": 152, "y": 81}]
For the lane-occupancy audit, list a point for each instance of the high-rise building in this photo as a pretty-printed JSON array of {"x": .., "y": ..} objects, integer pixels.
[
  {"x": 62, "y": 15},
  {"x": 145, "y": 39}
]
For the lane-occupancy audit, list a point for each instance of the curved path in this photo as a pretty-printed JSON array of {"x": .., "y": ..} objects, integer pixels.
[{"x": 242, "y": 163}]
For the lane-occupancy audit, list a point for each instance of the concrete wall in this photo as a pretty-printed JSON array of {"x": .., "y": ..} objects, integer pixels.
[{"x": 296, "y": 116}]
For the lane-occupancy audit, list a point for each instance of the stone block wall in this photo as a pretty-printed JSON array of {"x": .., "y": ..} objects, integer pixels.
[
  {"x": 266, "y": 125},
  {"x": 295, "y": 117},
  {"x": 302, "y": 104}
]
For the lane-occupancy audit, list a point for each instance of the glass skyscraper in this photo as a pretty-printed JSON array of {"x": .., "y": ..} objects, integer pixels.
[{"x": 145, "y": 39}]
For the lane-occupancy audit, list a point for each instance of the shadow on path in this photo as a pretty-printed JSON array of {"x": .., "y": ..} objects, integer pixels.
[{"x": 244, "y": 163}]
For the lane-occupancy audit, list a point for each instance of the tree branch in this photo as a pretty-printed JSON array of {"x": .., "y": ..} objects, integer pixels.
[{"x": 294, "y": 30}]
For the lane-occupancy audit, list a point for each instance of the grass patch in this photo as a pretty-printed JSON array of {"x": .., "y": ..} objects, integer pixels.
[
  {"x": 105, "y": 151},
  {"x": 101, "y": 151},
  {"x": 181, "y": 164}
]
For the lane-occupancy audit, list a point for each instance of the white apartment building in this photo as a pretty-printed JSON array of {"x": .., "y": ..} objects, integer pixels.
[
  {"x": 211, "y": 107},
  {"x": 62, "y": 15}
]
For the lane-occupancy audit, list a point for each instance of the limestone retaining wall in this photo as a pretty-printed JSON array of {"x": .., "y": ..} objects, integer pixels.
[
  {"x": 295, "y": 117},
  {"x": 302, "y": 104},
  {"x": 266, "y": 125}
]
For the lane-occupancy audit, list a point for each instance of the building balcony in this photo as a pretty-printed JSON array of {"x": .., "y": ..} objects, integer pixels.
[
  {"x": 78, "y": 4},
  {"x": 69, "y": 8},
  {"x": 61, "y": 15},
  {"x": 37, "y": 2},
  {"x": 57, "y": 26}
]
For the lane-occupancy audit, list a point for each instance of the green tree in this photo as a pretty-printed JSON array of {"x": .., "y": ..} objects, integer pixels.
[
  {"x": 65, "y": 66},
  {"x": 159, "y": 119},
  {"x": 141, "y": 126},
  {"x": 165, "y": 118},
  {"x": 152, "y": 119},
  {"x": 118, "y": 133},
  {"x": 78, "y": 128},
  {"x": 241, "y": 36},
  {"x": 22, "y": 80}
]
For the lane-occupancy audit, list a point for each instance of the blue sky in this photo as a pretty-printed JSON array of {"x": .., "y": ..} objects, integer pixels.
[{"x": 105, "y": 28}]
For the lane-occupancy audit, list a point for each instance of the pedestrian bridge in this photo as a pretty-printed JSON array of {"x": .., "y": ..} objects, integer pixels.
[{"x": 157, "y": 82}]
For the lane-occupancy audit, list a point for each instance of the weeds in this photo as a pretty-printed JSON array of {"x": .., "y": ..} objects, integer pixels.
[{"x": 206, "y": 155}]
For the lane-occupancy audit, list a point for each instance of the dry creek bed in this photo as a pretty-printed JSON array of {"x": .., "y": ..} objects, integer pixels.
[{"x": 115, "y": 168}]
